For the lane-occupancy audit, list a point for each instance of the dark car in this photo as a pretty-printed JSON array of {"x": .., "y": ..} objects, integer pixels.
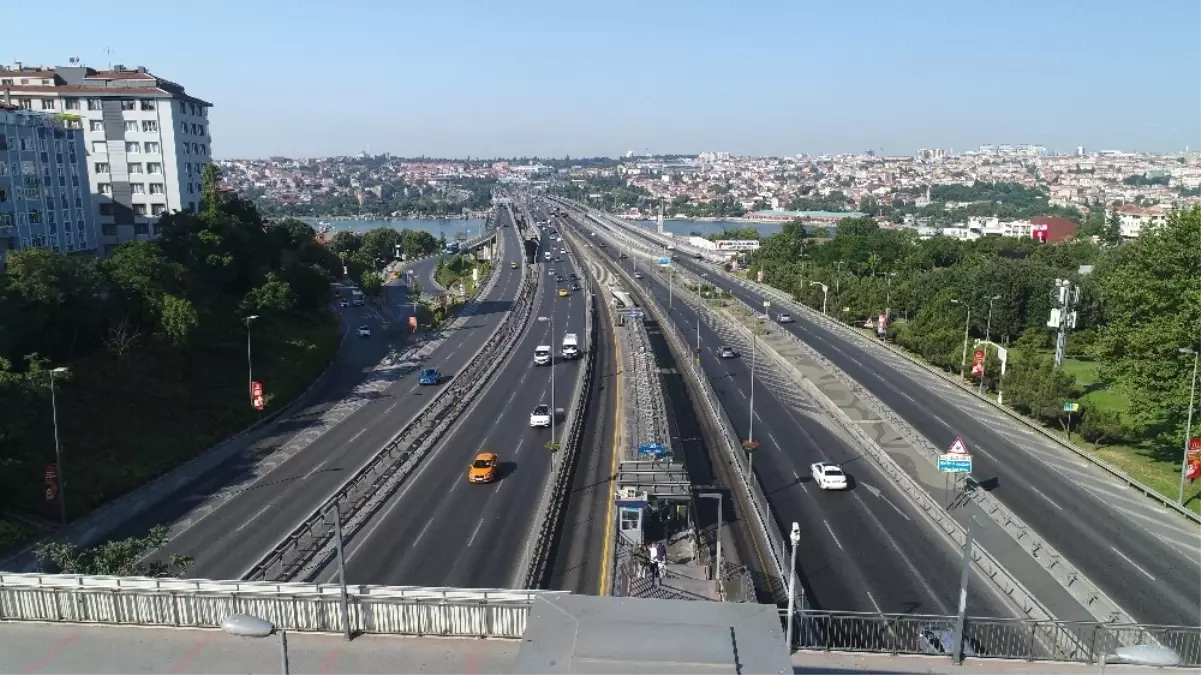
[
  {"x": 559, "y": 277},
  {"x": 575, "y": 287},
  {"x": 573, "y": 276}
]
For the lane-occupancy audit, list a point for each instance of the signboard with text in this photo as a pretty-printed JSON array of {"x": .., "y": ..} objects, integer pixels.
[
  {"x": 1193, "y": 459},
  {"x": 256, "y": 396},
  {"x": 51, "y": 482},
  {"x": 737, "y": 245},
  {"x": 955, "y": 463}
]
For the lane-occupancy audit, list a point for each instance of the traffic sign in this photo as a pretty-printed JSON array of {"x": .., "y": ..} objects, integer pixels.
[
  {"x": 958, "y": 447},
  {"x": 664, "y": 262},
  {"x": 978, "y": 357},
  {"x": 1194, "y": 445},
  {"x": 955, "y": 463},
  {"x": 1068, "y": 406}
]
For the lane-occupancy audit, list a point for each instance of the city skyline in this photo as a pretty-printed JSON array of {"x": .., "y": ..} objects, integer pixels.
[{"x": 549, "y": 80}]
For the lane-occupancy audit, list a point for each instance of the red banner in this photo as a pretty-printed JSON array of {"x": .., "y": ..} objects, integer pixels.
[
  {"x": 1193, "y": 459},
  {"x": 51, "y": 482},
  {"x": 256, "y": 396}
]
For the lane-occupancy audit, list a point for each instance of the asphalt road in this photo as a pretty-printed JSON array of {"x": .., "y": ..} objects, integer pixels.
[
  {"x": 439, "y": 530},
  {"x": 1138, "y": 555},
  {"x": 867, "y": 549},
  {"x": 225, "y": 541}
]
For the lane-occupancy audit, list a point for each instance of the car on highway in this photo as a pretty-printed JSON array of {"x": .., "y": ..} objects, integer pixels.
[
  {"x": 559, "y": 278},
  {"x": 563, "y": 293},
  {"x": 540, "y": 417},
  {"x": 573, "y": 276},
  {"x": 784, "y": 318},
  {"x": 623, "y": 256},
  {"x": 483, "y": 468},
  {"x": 344, "y": 303},
  {"x": 726, "y": 352},
  {"x": 364, "y": 331},
  {"x": 828, "y": 476},
  {"x": 637, "y": 275},
  {"x": 575, "y": 286},
  {"x": 513, "y": 265},
  {"x": 429, "y": 376}
]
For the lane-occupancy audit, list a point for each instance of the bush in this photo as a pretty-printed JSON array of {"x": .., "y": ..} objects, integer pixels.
[{"x": 1103, "y": 427}]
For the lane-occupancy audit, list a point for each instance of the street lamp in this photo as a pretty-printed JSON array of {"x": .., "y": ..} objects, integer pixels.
[
  {"x": 888, "y": 292},
  {"x": 553, "y": 410},
  {"x": 966, "y": 323},
  {"x": 825, "y": 293},
  {"x": 795, "y": 537},
  {"x": 1188, "y": 426},
  {"x": 249, "y": 362},
  {"x": 988, "y": 325},
  {"x": 249, "y": 625},
  {"x": 58, "y": 448}
]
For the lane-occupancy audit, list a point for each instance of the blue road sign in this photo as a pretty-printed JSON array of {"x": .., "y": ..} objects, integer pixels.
[
  {"x": 955, "y": 463},
  {"x": 664, "y": 262}
]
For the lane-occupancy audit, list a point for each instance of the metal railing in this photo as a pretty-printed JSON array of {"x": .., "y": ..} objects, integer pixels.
[
  {"x": 392, "y": 610},
  {"x": 309, "y": 546},
  {"x": 1029, "y": 639}
]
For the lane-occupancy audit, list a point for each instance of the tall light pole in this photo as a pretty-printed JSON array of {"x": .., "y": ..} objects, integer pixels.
[
  {"x": 795, "y": 538},
  {"x": 249, "y": 361},
  {"x": 58, "y": 448},
  {"x": 1188, "y": 426},
  {"x": 966, "y": 323},
  {"x": 553, "y": 411},
  {"x": 825, "y": 293},
  {"x": 888, "y": 292},
  {"x": 988, "y": 325}
]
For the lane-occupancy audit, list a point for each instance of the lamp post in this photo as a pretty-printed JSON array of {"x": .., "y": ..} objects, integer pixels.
[
  {"x": 553, "y": 410},
  {"x": 825, "y": 293},
  {"x": 988, "y": 325},
  {"x": 58, "y": 448},
  {"x": 888, "y": 292},
  {"x": 249, "y": 362},
  {"x": 1188, "y": 426},
  {"x": 795, "y": 538},
  {"x": 966, "y": 323}
]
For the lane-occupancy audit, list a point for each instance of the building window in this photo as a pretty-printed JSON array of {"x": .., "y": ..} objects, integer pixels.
[
  {"x": 158, "y": 209},
  {"x": 74, "y": 178},
  {"x": 156, "y": 188},
  {"x": 35, "y": 217},
  {"x": 26, "y": 103},
  {"x": 104, "y": 188},
  {"x": 130, "y": 126},
  {"x": 183, "y": 127},
  {"x": 109, "y": 229},
  {"x": 137, "y": 188},
  {"x": 70, "y": 104},
  {"x": 29, "y": 168},
  {"x": 149, "y": 126},
  {"x": 52, "y": 221},
  {"x": 47, "y": 104},
  {"x": 187, "y": 168},
  {"x": 139, "y": 209},
  {"x": 147, "y": 104},
  {"x": 106, "y": 209},
  {"x": 154, "y": 167},
  {"x": 133, "y": 148},
  {"x": 33, "y": 193},
  {"x": 152, "y": 148},
  {"x": 3, "y": 142},
  {"x": 190, "y": 189},
  {"x": 200, "y": 131},
  {"x": 128, "y": 104},
  {"x": 187, "y": 148},
  {"x": 99, "y": 148},
  {"x": 135, "y": 168},
  {"x": 94, "y": 104},
  {"x": 102, "y": 167},
  {"x": 141, "y": 228},
  {"x": 96, "y": 125},
  {"x": 3, "y": 195},
  {"x": 6, "y": 219},
  {"x": 3, "y": 167}
]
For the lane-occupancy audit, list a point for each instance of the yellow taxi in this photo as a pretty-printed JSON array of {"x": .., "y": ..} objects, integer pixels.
[
  {"x": 513, "y": 265},
  {"x": 484, "y": 468},
  {"x": 562, "y": 292}
]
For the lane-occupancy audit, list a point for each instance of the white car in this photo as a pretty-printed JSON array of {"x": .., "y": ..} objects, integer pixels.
[
  {"x": 828, "y": 476},
  {"x": 364, "y": 331},
  {"x": 784, "y": 318},
  {"x": 540, "y": 417}
]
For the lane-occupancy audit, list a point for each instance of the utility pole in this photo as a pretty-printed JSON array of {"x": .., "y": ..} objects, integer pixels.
[
  {"x": 1063, "y": 316},
  {"x": 964, "y": 576}
]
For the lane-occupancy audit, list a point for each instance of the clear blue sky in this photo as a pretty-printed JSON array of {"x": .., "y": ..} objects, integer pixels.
[{"x": 525, "y": 77}]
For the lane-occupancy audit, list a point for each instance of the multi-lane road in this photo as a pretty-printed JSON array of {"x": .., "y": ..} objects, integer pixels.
[
  {"x": 236, "y": 514},
  {"x": 439, "y": 530},
  {"x": 867, "y": 549},
  {"x": 1142, "y": 557}
]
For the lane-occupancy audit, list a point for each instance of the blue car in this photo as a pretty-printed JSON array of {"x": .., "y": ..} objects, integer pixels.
[{"x": 429, "y": 376}]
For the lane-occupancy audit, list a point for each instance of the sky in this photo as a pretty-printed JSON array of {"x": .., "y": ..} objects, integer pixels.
[{"x": 500, "y": 78}]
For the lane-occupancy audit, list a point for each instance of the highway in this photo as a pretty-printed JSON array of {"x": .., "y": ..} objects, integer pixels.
[
  {"x": 1143, "y": 562},
  {"x": 866, "y": 549},
  {"x": 226, "y": 535},
  {"x": 439, "y": 530}
]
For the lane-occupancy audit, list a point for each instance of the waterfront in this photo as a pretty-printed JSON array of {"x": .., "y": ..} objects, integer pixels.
[
  {"x": 683, "y": 228},
  {"x": 446, "y": 228}
]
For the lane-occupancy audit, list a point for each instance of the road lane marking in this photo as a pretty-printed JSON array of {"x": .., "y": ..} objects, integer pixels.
[
  {"x": 391, "y": 407},
  {"x": 316, "y": 468},
  {"x": 1040, "y": 494},
  {"x": 254, "y": 517},
  {"x": 874, "y": 603},
  {"x": 422, "y": 532},
  {"x": 356, "y": 436},
  {"x": 1132, "y": 563},
  {"x": 774, "y": 441},
  {"x": 832, "y": 535},
  {"x": 475, "y": 532}
]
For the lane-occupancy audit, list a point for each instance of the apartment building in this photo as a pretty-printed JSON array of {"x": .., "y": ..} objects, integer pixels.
[
  {"x": 146, "y": 139},
  {"x": 45, "y": 200},
  {"x": 1132, "y": 220}
]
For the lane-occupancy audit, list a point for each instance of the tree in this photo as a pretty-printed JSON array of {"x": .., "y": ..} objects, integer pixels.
[
  {"x": 346, "y": 242},
  {"x": 1036, "y": 387},
  {"x": 371, "y": 283},
  {"x": 178, "y": 318},
  {"x": 1113, "y": 229},
  {"x": 124, "y": 558},
  {"x": 273, "y": 296},
  {"x": 381, "y": 243}
]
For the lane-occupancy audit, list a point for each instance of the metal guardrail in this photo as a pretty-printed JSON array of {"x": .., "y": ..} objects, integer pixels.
[
  {"x": 553, "y": 507},
  {"x": 307, "y": 547},
  {"x": 391, "y": 610},
  {"x": 1028, "y": 639}
]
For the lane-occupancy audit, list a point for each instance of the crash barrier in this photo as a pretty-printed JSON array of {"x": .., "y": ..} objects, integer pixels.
[
  {"x": 309, "y": 547},
  {"x": 763, "y": 519},
  {"x": 1028, "y": 639},
  {"x": 390, "y": 610},
  {"x": 553, "y": 506}
]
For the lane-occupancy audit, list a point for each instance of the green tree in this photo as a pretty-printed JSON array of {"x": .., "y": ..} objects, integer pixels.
[
  {"x": 273, "y": 296},
  {"x": 371, "y": 283},
  {"x": 346, "y": 241},
  {"x": 381, "y": 243},
  {"x": 124, "y": 558},
  {"x": 179, "y": 318},
  {"x": 1036, "y": 387}
]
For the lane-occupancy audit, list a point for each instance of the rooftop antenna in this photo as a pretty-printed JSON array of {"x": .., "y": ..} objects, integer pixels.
[{"x": 109, "y": 52}]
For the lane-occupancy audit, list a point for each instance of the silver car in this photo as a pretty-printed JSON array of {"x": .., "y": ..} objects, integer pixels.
[
  {"x": 784, "y": 318},
  {"x": 726, "y": 352}
]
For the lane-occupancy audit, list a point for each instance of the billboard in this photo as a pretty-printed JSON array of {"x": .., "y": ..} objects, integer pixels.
[{"x": 737, "y": 244}]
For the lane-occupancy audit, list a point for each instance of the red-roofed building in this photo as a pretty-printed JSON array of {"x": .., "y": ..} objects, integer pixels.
[{"x": 1052, "y": 229}]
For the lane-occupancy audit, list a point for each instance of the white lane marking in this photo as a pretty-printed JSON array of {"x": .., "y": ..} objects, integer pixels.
[
  {"x": 874, "y": 603},
  {"x": 773, "y": 440},
  {"x": 422, "y": 532},
  {"x": 356, "y": 436},
  {"x": 740, "y": 391},
  {"x": 1040, "y": 494},
  {"x": 832, "y": 535},
  {"x": 1190, "y": 552},
  {"x": 254, "y": 517},
  {"x": 475, "y": 532},
  {"x": 1132, "y": 563},
  {"x": 1162, "y": 522},
  {"x": 391, "y": 407},
  {"x": 315, "y": 469}
]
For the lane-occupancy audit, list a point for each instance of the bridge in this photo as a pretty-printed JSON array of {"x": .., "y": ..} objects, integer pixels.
[{"x": 650, "y": 442}]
